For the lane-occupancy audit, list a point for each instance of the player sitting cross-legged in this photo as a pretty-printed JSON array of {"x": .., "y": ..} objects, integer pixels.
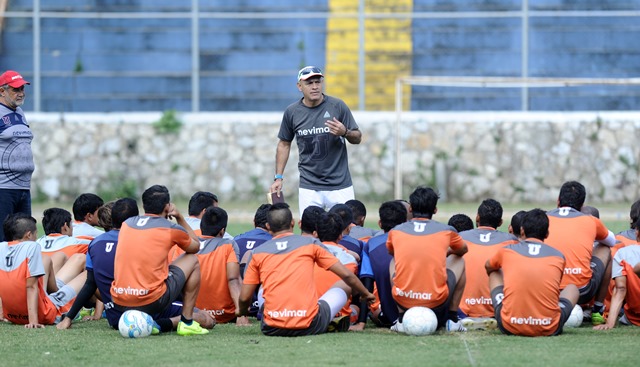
[
  {"x": 27, "y": 299},
  {"x": 220, "y": 281},
  {"x": 427, "y": 268},
  {"x": 522, "y": 306},
  {"x": 286, "y": 263}
]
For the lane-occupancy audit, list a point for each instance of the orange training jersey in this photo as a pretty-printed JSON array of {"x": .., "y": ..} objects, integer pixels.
[
  {"x": 532, "y": 272},
  {"x": 140, "y": 265},
  {"x": 622, "y": 265},
  {"x": 419, "y": 248},
  {"x": 19, "y": 261},
  {"x": 57, "y": 242},
  {"x": 482, "y": 242},
  {"x": 284, "y": 266},
  {"x": 573, "y": 233},
  {"x": 324, "y": 279},
  {"x": 215, "y": 297}
]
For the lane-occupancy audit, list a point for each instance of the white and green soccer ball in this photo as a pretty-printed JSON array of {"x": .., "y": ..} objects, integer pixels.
[
  {"x": 135, "y": 324},
  {"x": 419, "y": 321}
]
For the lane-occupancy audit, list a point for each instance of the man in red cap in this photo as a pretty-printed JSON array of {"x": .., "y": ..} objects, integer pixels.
[{"x": 16, "y": 165}]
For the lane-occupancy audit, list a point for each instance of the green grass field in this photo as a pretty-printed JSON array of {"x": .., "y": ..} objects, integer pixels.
[{"x": 94, "y": 343}]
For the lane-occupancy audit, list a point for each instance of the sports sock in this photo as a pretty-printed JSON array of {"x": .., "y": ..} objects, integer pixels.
[
  {"x": 453, "y": 315},
  {"x": 165, "y": 325},
  {"x": 598, "y": 307},
  {"x": 186, "y": 320},
  {"x": 400, "y": 317}
]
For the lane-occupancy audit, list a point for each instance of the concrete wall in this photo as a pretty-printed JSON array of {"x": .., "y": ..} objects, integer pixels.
[{"x": 513, "y": 157}]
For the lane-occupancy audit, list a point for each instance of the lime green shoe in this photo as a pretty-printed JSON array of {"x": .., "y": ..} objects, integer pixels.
[
  {"x": 86, "y": 312},
  {"x": 339, "y": 324},
  {"x": 597, "y": 318},
  {"x": 193, "y": 329},
  {"x": 155, "y": 330}
]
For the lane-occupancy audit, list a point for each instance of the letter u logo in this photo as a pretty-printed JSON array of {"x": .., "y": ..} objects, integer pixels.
[
  {"x": 534, "y": 249},
  {"x": 142, "y": 222},
  {"x": 281, "y": 245},
  {"x": 109, "y": 247},
  {"x": 419, "y": 227},
  {"x": 564, "y": 211},
  {"x": 485, "y": 237}
]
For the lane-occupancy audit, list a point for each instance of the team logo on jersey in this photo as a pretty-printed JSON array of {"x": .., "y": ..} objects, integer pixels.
[
  {"x": 327, "y": 115},
  {"x": 6, "y": 120},
  {"x": 419, "y": 226},
  {"x": 530, "y": 321},
  {"x": 534, "y": 249},
  {"x": 564, "y": 211},
  {"x": 485, "y": 237}
]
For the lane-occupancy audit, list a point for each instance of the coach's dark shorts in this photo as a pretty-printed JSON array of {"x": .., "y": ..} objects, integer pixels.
[
  {"x": 175, "y": 283},
  {"x": 498, "y": 292},
  {"x": 319, "y": 324},
  {"x": 588, "y": 292},
  {"x": 442, "y": 311}
]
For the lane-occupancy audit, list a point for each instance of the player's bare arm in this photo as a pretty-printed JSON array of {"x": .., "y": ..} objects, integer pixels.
[
  {"x": 195, "y": 241},
  {"x": 352, "y": 281},
  {"x": 490, "y": 269},
  {"x": 617, "y": 300},
  {"x": 246, "y": 294},
  {"x": 282, "y": 156},
  {"x": 235, "y": 286},
  {"x": 337, "y": 128},
  {"x": 32, "y": 304}
]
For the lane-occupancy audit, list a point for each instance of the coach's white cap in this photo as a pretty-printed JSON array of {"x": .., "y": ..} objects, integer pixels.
[{"x": 309, "y": 71}]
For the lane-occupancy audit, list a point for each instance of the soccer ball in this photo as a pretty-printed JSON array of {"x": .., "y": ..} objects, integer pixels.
[
  {"x": 419, "y": 321},
  {"x": 135, "y": 324},
  {"x": 575, "y": 319}
]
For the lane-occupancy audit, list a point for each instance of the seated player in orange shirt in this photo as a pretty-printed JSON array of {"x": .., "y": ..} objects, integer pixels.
[
  {"x": 461, "y": 222},
  {"x": 329, "y": 229},
  {"x": 143, "y": 278},
  {"x": 85, "y": 212},
  {"x": 522, "y": 306},
  {"x": 628, "y": 237},
  {"x": 220, "y": 280},
  {"x": 284, "y": 267},
  {"x": 482, "y": 242},
  {"x": 57, "y": 228},
  {"x": 514, "y": 225},
  {"x": 427, "y": 268},
  {"x": 573, "y": 233},
  {"x": 27, "y": 299}
]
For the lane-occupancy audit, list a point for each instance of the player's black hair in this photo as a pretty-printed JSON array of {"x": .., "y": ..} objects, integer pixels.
[
  {"x": 53, "y": 219},
  {"x": 310, "y": 218},
  {"x": 200, "y": 201},
  {"x": 423, "y": 201},
  {"x": 155, "y": 198},
  {"x": 104, "y": 216},
  {"x": 535, "y": 224},
  {"x": 359, "y": 211},
  {"x": 572, "y": 194},
  {"x": 279, "y": 217},
  {"x": 122, "y": 210},
  {"x": 636, "y": 225},
  {"x": 213, "y": 221},
  {"x": 490, "y": 213},
  {"x": 391, "y": 214},
  {"x": 16, "y": 225},
  {"x": 461, "y": 222},
  {"x": 84, "y": 204},
  {"x": 634, "y": 214},
  {"x": 344, "y": 212},
  {"x": 330, "y": 227},
  {"x": 590, "y": 210},
  {"x": 516, "y": 222},
  {"x": 260, "y": 218}
]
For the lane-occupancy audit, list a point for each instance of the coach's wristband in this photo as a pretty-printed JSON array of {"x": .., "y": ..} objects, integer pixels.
[
  {"x": 345, "y": 133},
  {"x": 278, "y": 177}
]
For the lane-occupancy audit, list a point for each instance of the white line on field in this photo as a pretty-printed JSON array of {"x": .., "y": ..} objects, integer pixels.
[{"x": 466, "y": 346}]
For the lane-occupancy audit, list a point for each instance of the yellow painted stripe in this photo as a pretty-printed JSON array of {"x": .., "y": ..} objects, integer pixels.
[{"x": 388, "y": 53}]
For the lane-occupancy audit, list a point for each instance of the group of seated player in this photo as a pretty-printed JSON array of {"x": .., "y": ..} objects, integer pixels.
[{"x": 188, "y": 273}]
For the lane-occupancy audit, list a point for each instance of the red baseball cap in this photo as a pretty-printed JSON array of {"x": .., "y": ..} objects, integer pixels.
[{"x": 13, "y": 79}]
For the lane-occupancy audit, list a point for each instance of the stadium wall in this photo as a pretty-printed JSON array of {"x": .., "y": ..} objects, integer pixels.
[{"x": 513, "y": 157}]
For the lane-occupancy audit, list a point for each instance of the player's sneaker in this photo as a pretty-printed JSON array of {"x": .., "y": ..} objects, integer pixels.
[
  {"x": 339, "y": 324},
  {"x": 86, "y": 312},
  {"x": 397, "y": 327},
  {"x": 193, "y": 329},
  {"x": 586, "y": 315},
  {"x": 455, "y": 326},
  {"x": 479, "y": 323},
  {"x": 597, "y": 318},
  {"x": 155, "y": 330}
]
